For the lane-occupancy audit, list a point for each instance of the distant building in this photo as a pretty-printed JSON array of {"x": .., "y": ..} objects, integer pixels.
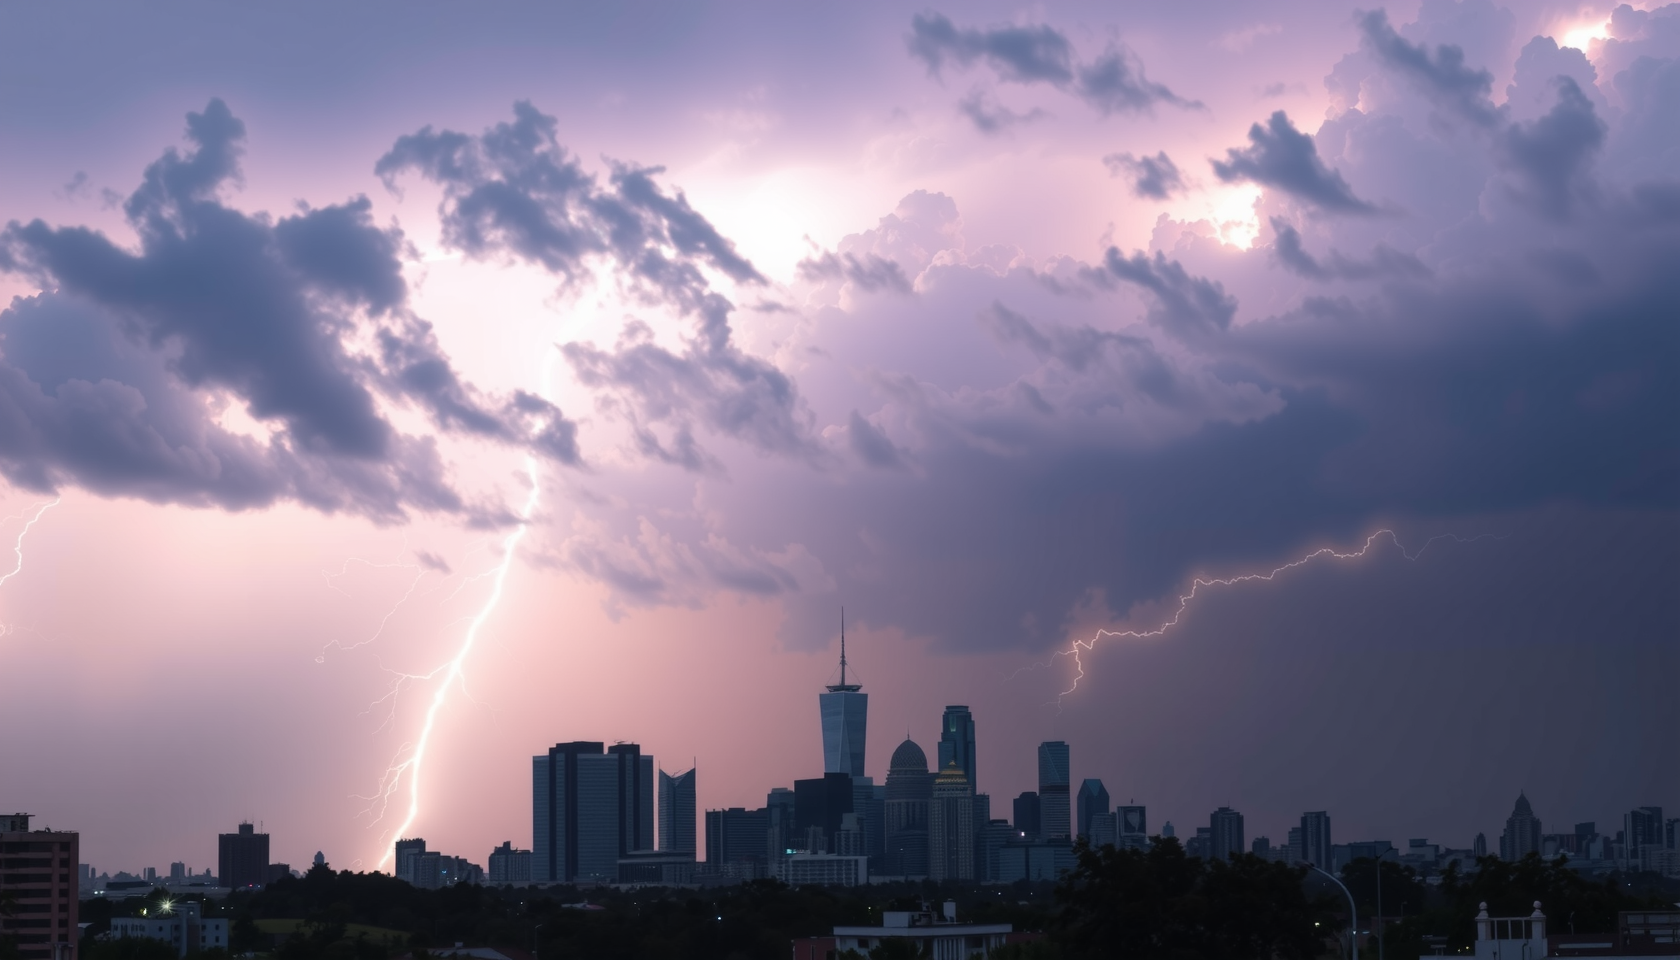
[
  {"x": 1522, "y": 832},
  {"x": 956, "y": 743},
  {"x": 508, "y": 865},
  {"x": 1024, "y": 859},
  {"x": 824, "y": 869},
  {"x": 1102, "y": 831},
  {"x": 1643, "y": 830},
  {"x": 779, "y": 807},
  {"x": 818, "y": 806},
  {"x": 657, "y": 868},
  {"x": 735, "y": 842},
  {"x": 676, "y": 813},
  {"x": 923, "y": 932},
  {"x": 430, "y": 869},
  {"x": 994, "y": 834},
  {"x": 1478, "y": 848},
  {"x": 1053, "y": 799},
  {"x": 1132, "y": 823},
  {"x": 951, "y": 826},
  {"x": 242, "y": 858},
  {"x": 1167, "y": 830},
  {"x": 1315, "y": 839},
  {"x": 35, "y": 877},
  {"x": 1029, "y": 821},
  {"x": 845, "y": 721},
  {"x": 1261, "y": 847},
  {"x": 909, "y": 791},
  {"x": 181, "y": 925},
  {"x": 1092, "y": 801},
  {"x": 1200, "y": 845},
  {"x": 590, "y": 807},
  {"x": 1225, "y": 829}
]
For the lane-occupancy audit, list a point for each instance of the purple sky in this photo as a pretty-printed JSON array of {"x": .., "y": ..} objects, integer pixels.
[{"x": 398, "y": 390}]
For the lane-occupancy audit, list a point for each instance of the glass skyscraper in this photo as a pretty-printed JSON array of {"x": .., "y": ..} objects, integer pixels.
[
  {"x": 1055, "y": 808},
  {"x": 845, "y": 721},
  {"x": 956, "y": 743}
]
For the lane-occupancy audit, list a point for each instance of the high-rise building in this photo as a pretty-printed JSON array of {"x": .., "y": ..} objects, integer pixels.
[
  {"x": 508, "y": 865},
  {"x": 1295, "y": 849},
  {"x": 1092, "y": 801},
  {"x": 1478, "y": 848},
  {"x": 956, "y": 743},
  {"x": 909, "y": 790},
  {"x": 845, "y": 721},
  {"x": 590, "y": 808},
  {"x": 951, "y": 843},
  {"x": 1225, "y": 834},
  {"x": 1643, "y": 828},
  {"x": 1053, "y": 800},
  {"x": 35, "y": 879},
  {"x": 242, "y": 858},
  {"x": 819, "y": 805},
  {"x": 735, "y": 839},
  {"x": 1315, "y": 839},
  {"x": 1029, "y": 819},
  {"x": 676, "y": 812},
  {"x": 994, "y": 835},
  {"x": 1522, "y": 832},
  {"x": 779, "y": 806},
  {"x": 1132, "y": 821}
]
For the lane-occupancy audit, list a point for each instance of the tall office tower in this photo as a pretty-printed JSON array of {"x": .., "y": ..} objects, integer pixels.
[
  {"x": 1295, "y": 848},
  {"x": 1093, "y": 801},
  {"x": 956, "y": 743},
  {"x": 1671, "y": 833},
  {"x": 1315, "y": 839},
  {"x": 1225, "y": 830},
  {"x": 1642, "y": 827},
  {"x": 1132, "y": 821},
  {"x": 1522, "y": 832},
  {"x": 1478, "y": 848},
  {"x": 1053, "y": 801},
  {"x": 676, "y": 813},
  {"x": 635, "y": 800},
  {"x": 778, "y": 823},
  {"x": 870, "y": 814},
  {"x": 909, "y": 789},
  {"x": 554, "y": 810},
  {"x": 819, "y": 804},
  {"x": 1029, "y": 819},
  {"x": 43, "y": 907},
  {"x": 409, "y": 850},
  {"x": 845, "y": 721},
  {"x": 735, "y": 836},
  {"x": 242, "y": 858},
  {"x": 951, "y": 826}
]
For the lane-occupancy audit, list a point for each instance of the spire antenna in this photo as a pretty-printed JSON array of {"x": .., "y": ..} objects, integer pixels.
[{"x": 843, "y": 686}]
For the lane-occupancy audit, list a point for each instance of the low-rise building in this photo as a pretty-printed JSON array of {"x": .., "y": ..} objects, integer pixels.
[
  {"x": 182, "y": 925},
  {"x": 938, "y": 935}
]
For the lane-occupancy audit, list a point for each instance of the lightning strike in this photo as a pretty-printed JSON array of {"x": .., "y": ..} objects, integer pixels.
[
  {"x": 412, "y": 757},
  {"x": 1199, "y": 583},
  {"x": 17, "y": 547}
]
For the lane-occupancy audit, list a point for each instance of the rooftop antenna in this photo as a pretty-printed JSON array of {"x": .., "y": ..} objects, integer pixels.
[{"x": 843, "y": 686}]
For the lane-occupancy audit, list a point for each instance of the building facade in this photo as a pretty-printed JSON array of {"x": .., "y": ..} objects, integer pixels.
[
  {"x": 590, "y": 806},
  {"x": 1225, "y": 834},
  {"x": 181, "y": 925},
  {"x": 508, "y": 865},
  {"x": 35, "y": 869},
  {"x": 242, "y": 858},
  {"x": 909, "y": 791},
  {"x": 845, "y": 722},
  {"x": 1091, "y": 802},
  {"x": 676, "y": 813},
  {"x": 951, "y": 840},
  {"x": 1055, "y": 809},
  {"x": 1315, "y": 839},
  {"x": 1522, "y": 832},
  {"x": 956, "y": 743}
]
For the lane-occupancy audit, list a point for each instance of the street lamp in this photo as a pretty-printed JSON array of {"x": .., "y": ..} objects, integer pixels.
[{"x": 1353, "y": 911}]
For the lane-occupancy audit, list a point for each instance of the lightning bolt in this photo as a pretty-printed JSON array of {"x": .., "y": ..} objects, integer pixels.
[
  {"x": 17, "y": 548},
  {"x": 1196, "y": 586},
  {"x": 411, "y": 759}
]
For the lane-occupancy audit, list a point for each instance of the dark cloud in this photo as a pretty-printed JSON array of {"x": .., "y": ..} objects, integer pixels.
[
  {"x": 1551, "y": 154},
  {"x": 1385, "y": 261},
  {"x": 1183, "y": 305},
  {"x": 1112, "y": 83},
  {"x": 870, "y": 444},
  {"x": 870, "y": 272},
  {"x": 989, "y": 116},
  {"x": 1156, "y": 177},
  {"x": 1283, "y": 157},
  {"x": 217, "y": 300},
  {"x": 1443, "y": 76},
  {"x": 515, "y": 191}
]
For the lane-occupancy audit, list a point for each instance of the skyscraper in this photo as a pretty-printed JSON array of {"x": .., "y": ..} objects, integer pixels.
[
  {"x": 1092, "y": 802},
  {"x": 242, "y": 858},
  {"x": 1522, "y": 832},
  {"x": 1315, "y": 839},
  {"x": 41, "y": 913},
  {"x": 1132, "y": 821},
  {"x": 589, "y": 808},
  {"x": 1053, "y": 800},
  {"x": 845, "y": 720},
  {"x": 1029, "y": 820},
  {"x": 819, "y": 806},
  {"x": 1225, "y": 829},
  {"x": 951, "y": 843},
  {"x": 676, "y": 813},
  {"x": 956, "y": 743}
]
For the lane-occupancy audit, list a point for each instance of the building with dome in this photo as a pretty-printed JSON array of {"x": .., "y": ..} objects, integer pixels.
[
  {"x": 909, "y": 791},
  {"x": 951, "y": 826}
]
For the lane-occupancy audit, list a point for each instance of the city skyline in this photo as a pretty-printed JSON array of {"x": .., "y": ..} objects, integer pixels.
[{"x": 1272, "y": 402}]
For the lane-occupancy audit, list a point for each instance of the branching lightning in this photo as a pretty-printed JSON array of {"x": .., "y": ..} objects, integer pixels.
[
  {"x": 17, "y": 547},
  {"x": 1074, "y": 650},
  {"x": 411, "y": 757}
]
